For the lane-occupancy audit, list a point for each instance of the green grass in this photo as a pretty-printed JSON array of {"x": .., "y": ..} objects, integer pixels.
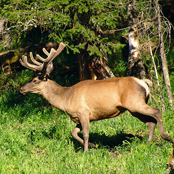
[{"x": 35, "y": 138}]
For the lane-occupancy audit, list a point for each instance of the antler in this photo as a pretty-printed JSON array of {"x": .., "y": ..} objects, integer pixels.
[{"x": 47, "y": 66}]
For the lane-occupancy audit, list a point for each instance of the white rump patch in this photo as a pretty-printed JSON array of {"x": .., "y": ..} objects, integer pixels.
[{"x": 143, "y": 83}]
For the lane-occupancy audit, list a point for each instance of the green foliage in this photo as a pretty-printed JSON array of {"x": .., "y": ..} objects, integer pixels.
[
  {"x": 170, "y": 59},
  {"x": 73, "y": 22}
]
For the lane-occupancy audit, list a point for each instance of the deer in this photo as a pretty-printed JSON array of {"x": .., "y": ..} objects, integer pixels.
[{"x": 93, "y": 100}]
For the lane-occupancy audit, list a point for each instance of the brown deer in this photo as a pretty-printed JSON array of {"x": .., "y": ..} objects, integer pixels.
[{"x": 93, "y": 100}]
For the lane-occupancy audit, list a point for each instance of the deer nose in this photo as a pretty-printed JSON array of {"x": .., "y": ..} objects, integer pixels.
[{"x": 22, "y": 91}]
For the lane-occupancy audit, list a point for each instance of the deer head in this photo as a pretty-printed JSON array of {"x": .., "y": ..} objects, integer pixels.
[{"x": 42, "y": 69}]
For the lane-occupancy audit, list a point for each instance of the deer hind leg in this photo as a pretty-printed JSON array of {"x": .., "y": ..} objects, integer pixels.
[
  {"x": 143, "y": 111},
  {"x": 149, "y": 121},
  {"x": 152, "y": 127}
]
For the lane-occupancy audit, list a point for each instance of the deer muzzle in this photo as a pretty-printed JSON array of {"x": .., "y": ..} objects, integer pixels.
[{"x": 22, "y": 91}]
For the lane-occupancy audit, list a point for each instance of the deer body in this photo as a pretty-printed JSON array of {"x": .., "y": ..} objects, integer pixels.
[
  {"x": 93, "y": 100},
  {"x": 100, "y": 99}
]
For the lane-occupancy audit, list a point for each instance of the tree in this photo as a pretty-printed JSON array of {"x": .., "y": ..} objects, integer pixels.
[{"x": 135, "y": 63}]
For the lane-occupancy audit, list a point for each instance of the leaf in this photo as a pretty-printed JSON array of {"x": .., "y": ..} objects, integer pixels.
[
  {"x": 76, "y": 50},
  {"x": 82, "y": 45},
  {"x": 94, "y": 50}
]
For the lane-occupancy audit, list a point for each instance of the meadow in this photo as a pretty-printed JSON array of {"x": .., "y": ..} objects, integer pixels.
[{"x": 35, "y": 138}]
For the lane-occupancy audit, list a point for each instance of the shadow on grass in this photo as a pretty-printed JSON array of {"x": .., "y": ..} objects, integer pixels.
[
  {"x": 108, "y": 142},
  {"x": 121, "y": 139}
]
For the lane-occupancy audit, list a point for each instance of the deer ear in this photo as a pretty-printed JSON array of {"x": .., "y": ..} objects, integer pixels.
[{"x": 49, "y": 68}]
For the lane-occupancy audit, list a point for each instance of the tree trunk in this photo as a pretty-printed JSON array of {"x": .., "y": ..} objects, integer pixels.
[
  {"x": 163, "y": 57},
  {"x": 93, "y": 67},
  {"x": 135, "y": 63},
  {"x": 84, "y": 71}
]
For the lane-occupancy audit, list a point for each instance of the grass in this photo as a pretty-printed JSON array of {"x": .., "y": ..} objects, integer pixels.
[{"x": 36, "y": 138}]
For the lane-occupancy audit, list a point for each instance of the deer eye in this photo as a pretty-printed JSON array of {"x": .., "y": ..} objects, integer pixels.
[{"x": 34, "y": 81}]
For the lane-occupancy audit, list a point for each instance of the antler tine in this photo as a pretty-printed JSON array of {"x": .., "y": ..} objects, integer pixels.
[
  {"x": 50, "y": 55},
  {"x": 25, "y": 63},
  {"x": 54, "y": 53},
  {"x": 58, "y": 51},
  {"x": 46, "y": 52},
  {"x": 33, "y": 60}
]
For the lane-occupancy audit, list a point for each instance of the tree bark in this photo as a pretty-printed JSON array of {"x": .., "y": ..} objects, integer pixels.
[
  {"x": 84, "y": 71},
  {"x": 93, "y": 67},
  {"x": 135, "y": 63},
  {"x": 163, "y": 57}
]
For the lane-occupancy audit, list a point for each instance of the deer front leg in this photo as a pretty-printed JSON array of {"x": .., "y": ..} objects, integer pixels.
[
  {"x": 75, "y": 132},
  {"x": 85, "y": 128}
]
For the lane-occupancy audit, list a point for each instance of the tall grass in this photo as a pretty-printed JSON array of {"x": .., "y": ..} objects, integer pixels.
[{"x": 36, "y": 138}]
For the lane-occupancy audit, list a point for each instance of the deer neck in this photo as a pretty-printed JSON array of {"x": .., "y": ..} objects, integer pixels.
[{"x": 55, "y": 94}]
